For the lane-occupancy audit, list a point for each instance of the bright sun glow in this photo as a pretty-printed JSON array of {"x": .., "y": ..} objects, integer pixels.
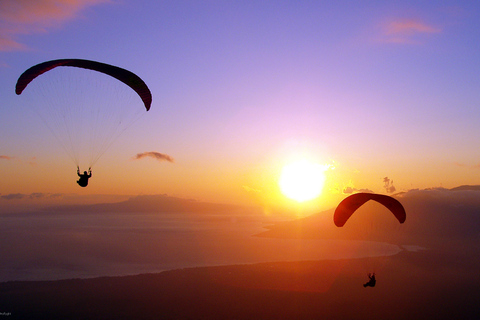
[{"x": 302, "y": 180}]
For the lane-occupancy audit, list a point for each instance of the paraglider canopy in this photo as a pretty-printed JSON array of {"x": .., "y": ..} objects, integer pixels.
[
  {"x": 350, "y": 204},
  {"x": 85, "y": 104},
  {"x": 127, "y": 77}
]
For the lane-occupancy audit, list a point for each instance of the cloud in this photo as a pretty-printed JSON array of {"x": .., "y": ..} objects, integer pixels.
[
  {"x": 19, "y": 17},
  {"x": 35, "y": 195},
  {"x": 463, "y": 165},
  {"x": 388, "y": 185},
  {"x": 13, "y": 196},
  {"x": 407, "y": 27},
  {"x": 348, "y": 190},
  {"x": 406, "y": 31},
  {"x": 32, "y": 161},
  {"x": 155, "y": 155},
  {"x": 351, "y": 190}
]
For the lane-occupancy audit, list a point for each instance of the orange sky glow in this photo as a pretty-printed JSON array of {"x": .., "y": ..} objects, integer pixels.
[{"x": 238, "y": 95}]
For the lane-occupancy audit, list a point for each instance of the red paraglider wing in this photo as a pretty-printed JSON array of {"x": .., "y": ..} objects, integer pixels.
[
  {"x": 350, "y": 204},
  {"x": 125, "y": 76}
]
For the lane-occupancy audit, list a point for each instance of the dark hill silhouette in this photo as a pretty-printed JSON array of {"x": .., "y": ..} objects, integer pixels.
[
  {"x": 441, "y": 282},
  {"x": 427, "y": 285},
  {"x": 466, "y": 187},
  {"x": 150, "y": 203}
]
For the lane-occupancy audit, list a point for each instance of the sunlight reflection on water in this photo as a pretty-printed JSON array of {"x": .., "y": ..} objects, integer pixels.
[{"x": 62, "y": 246}]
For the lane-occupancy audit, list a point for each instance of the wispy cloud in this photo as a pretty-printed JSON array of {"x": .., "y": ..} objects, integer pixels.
[
  {"x": 406, "y": 31},
  {"x": 388, "y": 185},
  {"x": 35, "y": 195},
  {"x": 32, "y": 161},
  {"x": 350, "y": 190},
  {"x": 155, "y": 155},
  {"x": 19, "y": 17},
  {"x": 13, "y": 196},
  {"x": 407, "y": 27},
  {"x": 463, "y": 165}
]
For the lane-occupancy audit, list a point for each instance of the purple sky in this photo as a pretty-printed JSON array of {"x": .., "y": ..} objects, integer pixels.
[{"x": 239, "y": 89}]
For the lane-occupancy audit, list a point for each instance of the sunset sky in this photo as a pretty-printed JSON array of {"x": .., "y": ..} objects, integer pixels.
[{"x": 367, "y": 89}]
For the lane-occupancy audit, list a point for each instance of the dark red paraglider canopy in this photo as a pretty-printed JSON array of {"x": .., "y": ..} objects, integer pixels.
[
  {"x": 125, "y": 76},
  {"x": 350, "y": 204}
]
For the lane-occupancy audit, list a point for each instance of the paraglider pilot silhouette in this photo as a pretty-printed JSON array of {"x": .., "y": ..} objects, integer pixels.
[
  {"x": 371, "y": 282},
  {"x": 83, "y": 181},
  {"x": 350, "y": 204}
]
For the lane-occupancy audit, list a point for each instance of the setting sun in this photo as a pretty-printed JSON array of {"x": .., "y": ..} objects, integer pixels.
[{"x": 302, "y": 180}]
